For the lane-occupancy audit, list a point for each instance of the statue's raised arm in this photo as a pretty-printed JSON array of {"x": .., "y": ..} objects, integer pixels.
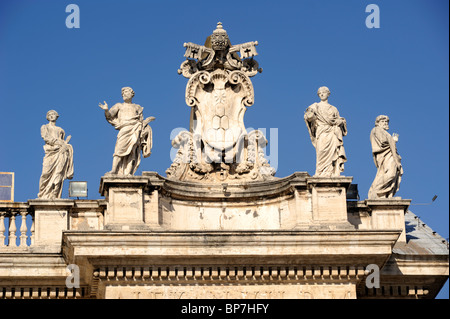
[
  {"x": 134, "y": 133},
  {"x": 103, "y": 106}
]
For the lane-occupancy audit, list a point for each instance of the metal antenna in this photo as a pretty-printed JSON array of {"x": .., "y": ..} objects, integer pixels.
[{"x": 432, "y": 200}]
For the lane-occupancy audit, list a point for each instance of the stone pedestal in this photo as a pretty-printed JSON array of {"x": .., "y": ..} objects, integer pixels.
[
  {"x": 324, "y": 203},
  {"x": 125, "y": 197},
  {"x": 51, "y": 219},
  {"x": 389, "y": 214}
]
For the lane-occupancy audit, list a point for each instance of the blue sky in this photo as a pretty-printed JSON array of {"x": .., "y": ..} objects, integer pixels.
[{"x": 399, "y": 69}]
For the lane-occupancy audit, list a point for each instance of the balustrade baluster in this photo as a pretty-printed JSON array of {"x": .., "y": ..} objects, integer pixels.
[
  {"x": 12, "y": 229},
  {"x": 32, "y": 230},
  {"x": 2, "y": 229},
  {"x": 23, "y": 229}
]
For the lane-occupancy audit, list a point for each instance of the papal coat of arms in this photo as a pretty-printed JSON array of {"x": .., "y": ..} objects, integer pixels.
[{"x": 218, "y": 146}]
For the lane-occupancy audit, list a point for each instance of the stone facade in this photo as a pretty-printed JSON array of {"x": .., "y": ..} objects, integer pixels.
[{"x": 153, "y": 237}]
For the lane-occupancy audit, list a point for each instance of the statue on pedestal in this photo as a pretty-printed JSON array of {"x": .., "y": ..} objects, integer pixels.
[
  {"x": 387, "y": 160},
  {"x": 326, "y": 129},
  {"x": 135, "y": 135},
  {"x": 217, "y": 146},
  {"x": 58, "y": 160}
]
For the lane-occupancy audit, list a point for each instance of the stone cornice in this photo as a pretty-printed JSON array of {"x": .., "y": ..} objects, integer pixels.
[
  {"x": 297, "y": 246},
  {"x": 331, "y": 181},
  {"x": 388, "y": 203},
  {"x": 17, "y": 265},
  {"x": 54, "y": 203},
  {"x": 418, "y": 265},
  {"x": 239, "y": 190},
  {"x": 118, "y": 180},
  {"x": 51, "y": 203}
]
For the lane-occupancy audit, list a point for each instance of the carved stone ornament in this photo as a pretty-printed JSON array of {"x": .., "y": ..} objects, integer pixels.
[{"x": 218, "y": 147}]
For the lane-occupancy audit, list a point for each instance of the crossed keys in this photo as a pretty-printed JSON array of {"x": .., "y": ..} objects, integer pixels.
[{"x": 196, "y": 51}]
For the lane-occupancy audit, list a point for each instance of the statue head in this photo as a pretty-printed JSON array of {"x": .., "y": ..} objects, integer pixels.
[
  {"x": 127, "y": 93},
  {"x": 52, "y": 112},
  {"x": 219, "y": 38},
  {"x": 323, "y": 92},
  {"x": 382, "y": 121},
  {"x": 325, "y": 89}
]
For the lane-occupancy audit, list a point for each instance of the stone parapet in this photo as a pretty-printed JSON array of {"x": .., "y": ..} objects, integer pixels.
[{"x": 154, "y": 202}]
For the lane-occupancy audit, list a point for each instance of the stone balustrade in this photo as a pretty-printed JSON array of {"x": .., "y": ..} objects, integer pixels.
[
  {"x": 41, "y": 222},
  {"x": 16, "y": 228}
]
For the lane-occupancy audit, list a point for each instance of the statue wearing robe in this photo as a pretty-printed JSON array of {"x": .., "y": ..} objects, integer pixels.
[
  {"x": 326, "y": 130},
  {"x": 58, "y": 160},
  {"x": 386, "y": 159},
  {"x": 135, "y": 135}
]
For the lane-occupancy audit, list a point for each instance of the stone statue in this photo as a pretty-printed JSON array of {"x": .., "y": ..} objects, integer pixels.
[
  {"x": 326, "y": 130},
  {"x": 135, "y": 135},
  {"x": 218, "y": 146},
  {"x": 387, "y": 160},
  {"x": 58, "y": 160}
]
